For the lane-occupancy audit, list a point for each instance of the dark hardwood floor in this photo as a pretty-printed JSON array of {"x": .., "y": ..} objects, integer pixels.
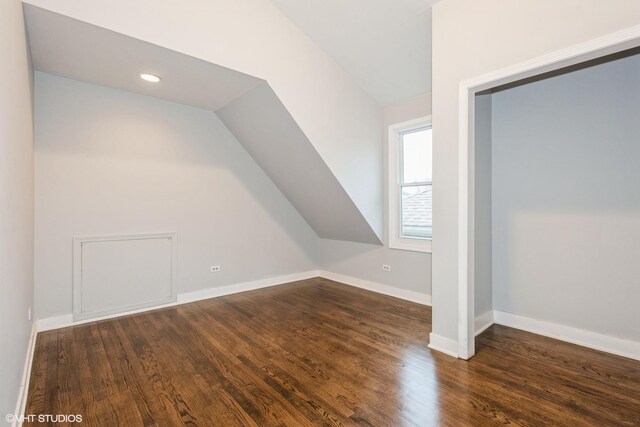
[{"x": 319, "y": 353}]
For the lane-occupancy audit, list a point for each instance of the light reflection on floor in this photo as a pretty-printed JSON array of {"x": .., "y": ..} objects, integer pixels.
[{"x": 419, "y": 387}]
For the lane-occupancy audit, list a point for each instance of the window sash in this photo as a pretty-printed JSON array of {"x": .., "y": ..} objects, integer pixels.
[
  {"x": 396, "y": 185},
  {"x": 402, "y": 184}
]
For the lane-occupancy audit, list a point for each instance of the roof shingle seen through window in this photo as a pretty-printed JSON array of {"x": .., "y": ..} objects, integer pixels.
[{"x": 417, "y": 213}]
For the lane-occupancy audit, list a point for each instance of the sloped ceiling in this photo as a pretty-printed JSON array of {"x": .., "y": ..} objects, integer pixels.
[
  {"x": 258, "y": 118},
  {"x": 247, "y": 105},
  {"x": 385, "y": 45}
]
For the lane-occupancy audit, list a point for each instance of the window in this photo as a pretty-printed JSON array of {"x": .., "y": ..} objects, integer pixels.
[{"x": 410, "y": 195}]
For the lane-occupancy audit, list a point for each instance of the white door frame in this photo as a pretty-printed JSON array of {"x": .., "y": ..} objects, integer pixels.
[{"x": 602, "y": 46}]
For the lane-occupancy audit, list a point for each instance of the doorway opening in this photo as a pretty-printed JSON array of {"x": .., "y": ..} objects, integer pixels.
[{"x": 512, "y": 194}]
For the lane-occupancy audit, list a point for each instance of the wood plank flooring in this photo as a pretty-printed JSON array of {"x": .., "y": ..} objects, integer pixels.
[{"x": 316, "y": 353}]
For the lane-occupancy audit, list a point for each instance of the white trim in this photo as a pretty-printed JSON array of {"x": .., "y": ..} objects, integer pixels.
[
  {"x": 77, "y": 274},
  {"x": 23, "y": 391},
  {"x": 483, "y": 322},
  {"x": 466, "y": 345},
  {"x": 618, "y": 41},
  {"x": 417, "y": 297},
  {"x": 594, "y": 340},
  {"x": 414, "y": 245},
  {"x": 395, "y": 240},
  {"x": 66, "y": 320},
  {"x": 443, "y": 345},
  {"x": 601, "y": 46}
]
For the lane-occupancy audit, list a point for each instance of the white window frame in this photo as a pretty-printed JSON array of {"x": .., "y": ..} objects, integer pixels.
[{"x": 396, "y": 241}]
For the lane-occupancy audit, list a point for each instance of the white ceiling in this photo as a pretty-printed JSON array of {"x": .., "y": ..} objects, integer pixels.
[
  {"x": 385, "y": 45},
  {"x": 70, "y": 48}
]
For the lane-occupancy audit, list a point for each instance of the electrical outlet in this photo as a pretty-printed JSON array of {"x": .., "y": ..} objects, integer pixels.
[
  {"x": 29, "y": 313},
  {"x": 215, "y": 268},
  {"x": 386, "y": 267}
]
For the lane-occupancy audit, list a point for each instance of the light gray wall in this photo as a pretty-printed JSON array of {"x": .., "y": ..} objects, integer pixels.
[
  {"x": 566, "y": 199},
  {"x": 482, "y": 249},
  {"x": 409, "y": 270},
  {"x": 16, "y": 203},
  {"x": 113, "y": 162},
  {"x": 339, "y": 118},
  {"x": 504, "y": 33}
]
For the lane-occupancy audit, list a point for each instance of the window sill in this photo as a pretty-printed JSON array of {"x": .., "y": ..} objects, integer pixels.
[{"x": 411, "y": 245}]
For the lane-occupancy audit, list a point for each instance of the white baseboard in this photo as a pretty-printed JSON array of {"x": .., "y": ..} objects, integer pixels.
[
  {"x": 66, "y": 320},
  {"x": 417, "y": 297},
  {"x": 23, "y": 391},
  {"x": 56, "y": 322},
  {"x": 606, "y": 343},
  {"x": 244, "y": 287},
  {"x": 443, "y": 345},
  {"x": 484, "y": 322}
]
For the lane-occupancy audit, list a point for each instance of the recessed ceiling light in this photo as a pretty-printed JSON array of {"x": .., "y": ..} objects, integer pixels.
[{"x": 150, "y": 78}]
